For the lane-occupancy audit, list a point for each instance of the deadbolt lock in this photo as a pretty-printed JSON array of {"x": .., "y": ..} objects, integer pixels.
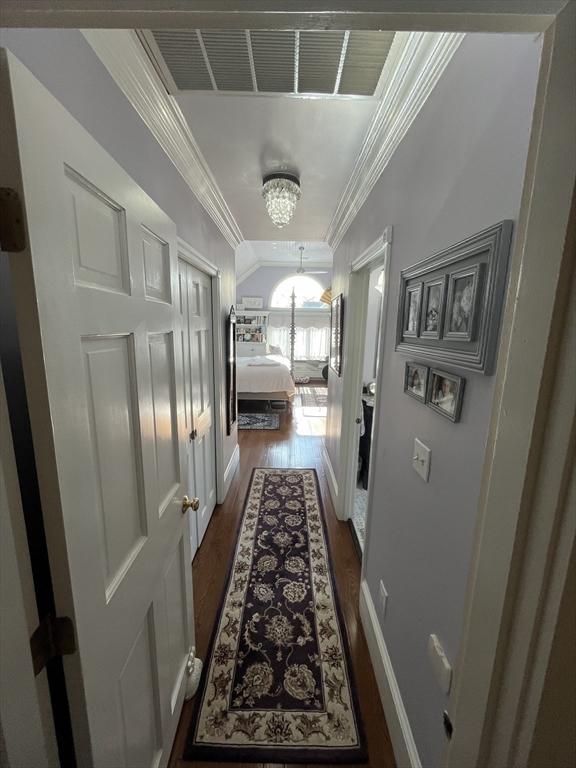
[{"x": 193, "y": 504}]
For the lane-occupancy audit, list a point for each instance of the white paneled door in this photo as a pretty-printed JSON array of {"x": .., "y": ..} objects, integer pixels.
[
  {"x": 198, "y": 386},
  {"x": 97, "y": 302}
]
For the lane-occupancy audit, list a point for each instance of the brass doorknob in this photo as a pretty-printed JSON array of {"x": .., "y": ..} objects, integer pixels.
[{"x": 193, "y": 504}]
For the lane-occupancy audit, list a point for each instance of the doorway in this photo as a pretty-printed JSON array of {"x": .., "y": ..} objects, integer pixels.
[
  {"x": 196, "y": 313},
  {"x": 363, "y": 343},
  {"x": 373, "y": 310}
]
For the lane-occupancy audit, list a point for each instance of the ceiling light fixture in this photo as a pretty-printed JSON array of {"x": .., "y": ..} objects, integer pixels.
[{"x": 281, "y": 192}]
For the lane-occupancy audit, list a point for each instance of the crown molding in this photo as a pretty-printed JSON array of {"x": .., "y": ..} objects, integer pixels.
[
  {"x": 246, "y": 274},
  {"x": 415, "y": 64},
  {"x": 124, "y": 57}
]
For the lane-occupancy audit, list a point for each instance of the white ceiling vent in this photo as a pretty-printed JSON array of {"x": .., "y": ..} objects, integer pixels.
[
  {"x": 365, "y": 56},
  {"x": 319, "y": 59},
  {"x": 274, "y": 60},
  {"x": 283, "y": 62},
  {"x": 184, "y": 59}
]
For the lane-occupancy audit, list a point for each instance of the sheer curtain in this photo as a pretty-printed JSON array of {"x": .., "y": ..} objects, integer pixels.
[
  {"x": 312, "y": 334},
  {"x": 310, "y": 343}
]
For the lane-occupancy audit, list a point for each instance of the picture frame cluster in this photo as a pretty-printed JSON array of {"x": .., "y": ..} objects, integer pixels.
[
  {"x": 450, "y": 303},
  {"x": 440, "y": 390}
]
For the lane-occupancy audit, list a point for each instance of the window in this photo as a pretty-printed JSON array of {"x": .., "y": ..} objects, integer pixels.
[
  {"x": 307, "y": 290},
  {"x": 309, "y": 343},
  {"x": 312, "y": 321}
]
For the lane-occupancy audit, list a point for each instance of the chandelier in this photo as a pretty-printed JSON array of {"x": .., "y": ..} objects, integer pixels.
[{"x": 281, "y": 192}]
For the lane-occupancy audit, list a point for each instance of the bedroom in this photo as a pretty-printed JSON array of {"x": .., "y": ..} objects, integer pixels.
[{"x": 280, "y": 372}]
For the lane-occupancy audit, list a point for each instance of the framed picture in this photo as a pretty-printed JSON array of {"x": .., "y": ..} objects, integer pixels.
[
  {"x": 445, "y": 393},
  {"x": 416, "y": 381},
  {"x": 336, "y": 327},
  {"x": 451, "y": 303},
  {"x": 412, "y": 303},
  {"x": 461, "y": 303},
  {"x": 231, "y": 395},
  {"x": 252, "y": 302},
  {"x": 432, "y": 308}
]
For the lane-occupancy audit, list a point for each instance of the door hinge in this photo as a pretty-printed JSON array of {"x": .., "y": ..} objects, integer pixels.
[
  {"x": 193, "y": 434},
  {"x": 53, "y": 637},
  {"x": 12, "y": 232}
]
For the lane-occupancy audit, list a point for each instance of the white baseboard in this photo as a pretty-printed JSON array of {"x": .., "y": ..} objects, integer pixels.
[
  {"x": 230, "y": 471},
  {"x": 331, "y": 477},
  {"x": 403, "y": 743}
]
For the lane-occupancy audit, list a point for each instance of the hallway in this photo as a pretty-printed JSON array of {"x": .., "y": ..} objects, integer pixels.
[{"x": 286, "y": 447}]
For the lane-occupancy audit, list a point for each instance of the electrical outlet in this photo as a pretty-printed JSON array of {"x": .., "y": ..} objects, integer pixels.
[{"x": 383, "y": 598}]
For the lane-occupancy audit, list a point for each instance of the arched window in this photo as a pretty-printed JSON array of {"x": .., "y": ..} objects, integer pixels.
[{"x": 307, "y": 290}]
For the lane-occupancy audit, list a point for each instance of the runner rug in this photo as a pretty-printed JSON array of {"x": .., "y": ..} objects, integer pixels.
[{"x": 277, "y": 685}]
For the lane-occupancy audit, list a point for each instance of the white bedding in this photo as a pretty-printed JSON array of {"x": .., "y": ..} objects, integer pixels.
[{"x": 255, "y": 374}]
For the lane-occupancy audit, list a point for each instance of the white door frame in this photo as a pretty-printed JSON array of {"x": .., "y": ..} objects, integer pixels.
[
  {"x": 376, "y": 255},
  {"x": 193, "y": 257},
  {"x": 516, "y": 437}
]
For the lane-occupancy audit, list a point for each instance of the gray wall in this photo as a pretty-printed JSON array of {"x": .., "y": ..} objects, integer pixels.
[
  {"x": 264, "y": 280},
  {"x": 64, "y": 62},
  {"x": 459, "y": 169}
]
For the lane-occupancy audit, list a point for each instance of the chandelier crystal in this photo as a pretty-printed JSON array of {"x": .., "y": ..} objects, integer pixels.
[{"x": 281, "y": 192}]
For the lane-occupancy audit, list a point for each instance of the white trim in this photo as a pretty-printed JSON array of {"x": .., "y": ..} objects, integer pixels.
[
  {"x": 151, "y": 47},
  {"x": 373, "y": 252},
  {"x": 230, "y": 471},
  {"x": 250, "y": 271},
  {"x": 378, "y": 253},
  {"x": 123, "y": 55},
  {"x": 195, "y": 258},
  {"x": 330, "y": 476},
  {"x": 415, "y": 64},
  {"x": 405, "y": 750}
]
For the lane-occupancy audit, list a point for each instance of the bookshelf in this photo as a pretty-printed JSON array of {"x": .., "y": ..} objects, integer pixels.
[{"x": 252, "y": 330}]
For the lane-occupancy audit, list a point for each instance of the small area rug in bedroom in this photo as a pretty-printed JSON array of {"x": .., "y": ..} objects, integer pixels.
[
  {"x": 258, "y": 421},
  {"x": 277, "y": 685}
]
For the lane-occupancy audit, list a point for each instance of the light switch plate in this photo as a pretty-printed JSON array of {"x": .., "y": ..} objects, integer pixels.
[
  {"x": 421, "y": 459},
  {"x": 383, "y": 598},
  {"x": 440, "y": 663}
]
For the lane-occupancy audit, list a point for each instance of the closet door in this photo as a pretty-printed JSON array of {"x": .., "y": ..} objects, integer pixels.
[{"x": 200, "y": 394}]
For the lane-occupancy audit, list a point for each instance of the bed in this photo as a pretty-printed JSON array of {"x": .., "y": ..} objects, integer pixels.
[{"x": 265, "y": 377}]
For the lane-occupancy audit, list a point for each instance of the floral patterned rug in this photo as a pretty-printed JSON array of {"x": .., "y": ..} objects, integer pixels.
[
  {"x": 258, "y": 421},
  {"x": 278, "y": 685}
]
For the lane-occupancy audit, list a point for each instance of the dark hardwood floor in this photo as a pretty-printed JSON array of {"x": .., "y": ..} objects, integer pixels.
[{"x": 297, "y": 443}]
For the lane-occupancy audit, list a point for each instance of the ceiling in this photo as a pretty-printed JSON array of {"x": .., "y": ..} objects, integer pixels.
[
  {"x": 264, "y": 101},
  {"x": 251, "y": 254},
  {"x": 244, "y": 137}
]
